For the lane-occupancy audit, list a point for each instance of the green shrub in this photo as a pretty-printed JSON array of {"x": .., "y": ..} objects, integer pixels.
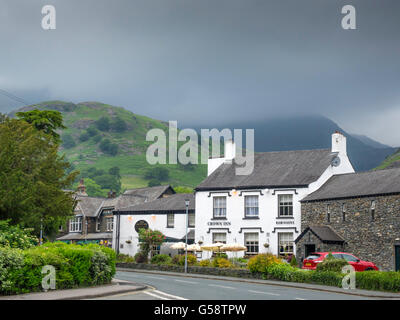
[
  {"x": 161, "y": 259},
  {"x": 260, "y": 262},
  {"x": 293, "y": 261},
  {"x": 179, "y": 259},
  {"x": 140, "y": 257},
  {"x": 15, "y": 236},
  {"x": 205, "y": 263},
  {"x": 221, "y": 255},
  {"x": 125, "y": 258},
  {"x": 378, "y": 280},
  {"x": 221, "y": 263},
  {"x": 10, "y": 260},
  {"x": 75, "y": 266},
  {"x": 331, "y": 264}
]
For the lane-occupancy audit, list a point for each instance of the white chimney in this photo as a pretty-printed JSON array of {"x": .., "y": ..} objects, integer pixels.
[
  {"x": 339, "y": 143},
  {"x": 229, "y": 150}
]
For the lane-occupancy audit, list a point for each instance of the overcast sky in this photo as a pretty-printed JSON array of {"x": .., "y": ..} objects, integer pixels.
[{"x": 195, "y": 60}]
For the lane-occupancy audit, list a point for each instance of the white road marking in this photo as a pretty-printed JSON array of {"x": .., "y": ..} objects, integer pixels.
[
  {"x": 169, "y": 295},
  {"x": 157, "y": 278},
  {"x": 217, "y": 285},
  {"x": 185, "y": 281},
  {"x": 300, "y": 299},
  {"x": 155, "y": 295},
  {"x": 261, "y": 292}
]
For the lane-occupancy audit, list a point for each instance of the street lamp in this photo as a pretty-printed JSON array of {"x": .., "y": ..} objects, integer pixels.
[{"x": 187, "y": 202}]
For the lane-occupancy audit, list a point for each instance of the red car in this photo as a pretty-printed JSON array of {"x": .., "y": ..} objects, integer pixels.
[{"x": 359, "y": 265}]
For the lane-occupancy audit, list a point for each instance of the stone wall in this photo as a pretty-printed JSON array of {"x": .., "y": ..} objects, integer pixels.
[
  {"x": 369, "y": 239},
  {"x": 239, "y": 273}
]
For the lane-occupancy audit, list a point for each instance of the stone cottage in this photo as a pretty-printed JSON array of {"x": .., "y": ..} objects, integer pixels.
[
  {"x": 357, "y": 213},
  {"x": 93, "y": 219}
]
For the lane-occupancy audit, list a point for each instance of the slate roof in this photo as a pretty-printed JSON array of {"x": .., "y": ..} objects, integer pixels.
[
  {"x": 272, "y": 169},
  {"x": 372, "y": 183},
  {"x": 171, "y": 203},
  {"x": 88, "y": 206},
  {"x": 151, "y": 193},
  {"x": 324, "y": 233}
]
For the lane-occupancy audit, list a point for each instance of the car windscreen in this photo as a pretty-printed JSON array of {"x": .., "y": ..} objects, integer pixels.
[{"x": 313, "y": 256}]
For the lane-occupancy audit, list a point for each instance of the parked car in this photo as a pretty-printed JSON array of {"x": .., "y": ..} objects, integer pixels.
[{"x": 314, "y": 258}]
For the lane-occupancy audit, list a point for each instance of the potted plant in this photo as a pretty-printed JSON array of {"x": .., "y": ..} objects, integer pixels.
[
  {"x": 266, "y": 245},
  {"x": 128, "y": 241}
]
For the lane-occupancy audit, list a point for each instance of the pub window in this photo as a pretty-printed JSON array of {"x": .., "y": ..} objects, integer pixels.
[
  {"x": 170, "y": 220},
  {"x": 285, "y": 243},
  {"x": 285, "y": 205},
  {"x": 110, "y": 224},
  {"x": 219, "y": 207},
  {"x": 191, "y": 223},
  {"x": 373, "y": 208},
  {"x": 219, "y": 237},
  {"x": 98, "y": 224},
  {"x": 75, "y": 224},
  {"x": 251, "y": 206},
  {"x": 251, "y": 243},
  {"x": 344, "y": 212}
]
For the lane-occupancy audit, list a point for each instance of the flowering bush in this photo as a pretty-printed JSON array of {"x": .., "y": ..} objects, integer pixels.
[
  {"x": 259, "y": 262},
  {"x": 16, "y": 237},
  {"x": 148, "y": 239},
  {"x": 221, "y": 263},
  {"x": 205, "y": 263},
  {"x": 161, "y": 259},
  {"x": 179, "y": 259}
]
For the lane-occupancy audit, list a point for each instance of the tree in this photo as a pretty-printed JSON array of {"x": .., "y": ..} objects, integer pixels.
[
  {"x": 157, "y": 173},
  {"x": 109, "y": 182},
  {"x": 103, "y": 124},
  {"x": 148, "y": 239},
  {"x": 109, "y": 148},
  {"x": 119, "y": 125},
  {"x": 48, "y": 121},
  {"x": 68, "y": 142},
  {"x": 115, "y": 171},
  {"x": 84, "y": 137},
  {"x": 93, "y": 189},
  {"x": 154, "y": 183},
  {"x": 92, "y": 131},
  {"x": 33, "y": 177}
]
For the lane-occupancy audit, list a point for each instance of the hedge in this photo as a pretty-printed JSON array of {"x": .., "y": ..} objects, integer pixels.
[
  {"x": 367, "y": 280},
  {"x": 76, "y": 266}
]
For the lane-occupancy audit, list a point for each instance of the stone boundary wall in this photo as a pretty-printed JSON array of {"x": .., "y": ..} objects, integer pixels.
[{"x": 239, "y": 273}]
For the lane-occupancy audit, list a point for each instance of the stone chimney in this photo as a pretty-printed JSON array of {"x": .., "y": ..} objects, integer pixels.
[
  {"x": 339, "y": 143},
  {"x": 81, "y": 188}
]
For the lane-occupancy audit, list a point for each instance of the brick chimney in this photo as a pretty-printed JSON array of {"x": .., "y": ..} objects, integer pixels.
[{"x": 81, "y": 188}]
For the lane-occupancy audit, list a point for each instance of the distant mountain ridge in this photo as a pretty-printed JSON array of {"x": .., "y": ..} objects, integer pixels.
[{"x": 309, "y": 132}]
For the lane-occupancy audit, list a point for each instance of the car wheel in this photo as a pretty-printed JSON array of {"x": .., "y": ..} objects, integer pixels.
[{"x": 369, "y": 269}]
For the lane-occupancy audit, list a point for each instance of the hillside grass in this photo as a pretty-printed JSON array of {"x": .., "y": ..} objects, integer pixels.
[{"x": 131, "y": 157}]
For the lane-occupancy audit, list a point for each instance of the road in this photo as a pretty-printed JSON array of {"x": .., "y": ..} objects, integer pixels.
[{"x": 167, "y": 287}]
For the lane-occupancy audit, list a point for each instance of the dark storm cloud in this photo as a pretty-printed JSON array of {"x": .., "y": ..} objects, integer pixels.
[{"x": 193, "y": 60}]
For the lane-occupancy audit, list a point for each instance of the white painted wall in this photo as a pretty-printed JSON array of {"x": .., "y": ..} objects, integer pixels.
[
  {"x": 268, "y": 208},
  {"x": 156, "y": 222}
]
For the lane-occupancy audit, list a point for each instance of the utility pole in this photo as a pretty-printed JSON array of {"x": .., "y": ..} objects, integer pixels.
[{"x": 187, "y": 202}]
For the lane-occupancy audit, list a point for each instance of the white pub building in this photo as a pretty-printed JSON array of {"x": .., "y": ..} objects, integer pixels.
[{"x": 262, "y": 210}]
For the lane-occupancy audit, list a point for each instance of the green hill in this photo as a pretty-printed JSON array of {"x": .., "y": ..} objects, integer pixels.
[
  {"x": 104, "y": 136},
  {"x": 392, "y": 161}
]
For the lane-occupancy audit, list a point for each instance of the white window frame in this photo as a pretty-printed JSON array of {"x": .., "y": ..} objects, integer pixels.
[
  {"x": 285, "y": 243},
  {"x": 251, "y": 206},
  {"x": 252, "y": 243},
  {"x": 170, "y": 216},
  {"x": 191, "y": 220},
  {"x": 110, "y": 223},
  {"x": 75, "y": 224},
  {"x": 286, "y": 206},
  {"x": 217, "y": 235},
  {"x": 219, "y": 207}
]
